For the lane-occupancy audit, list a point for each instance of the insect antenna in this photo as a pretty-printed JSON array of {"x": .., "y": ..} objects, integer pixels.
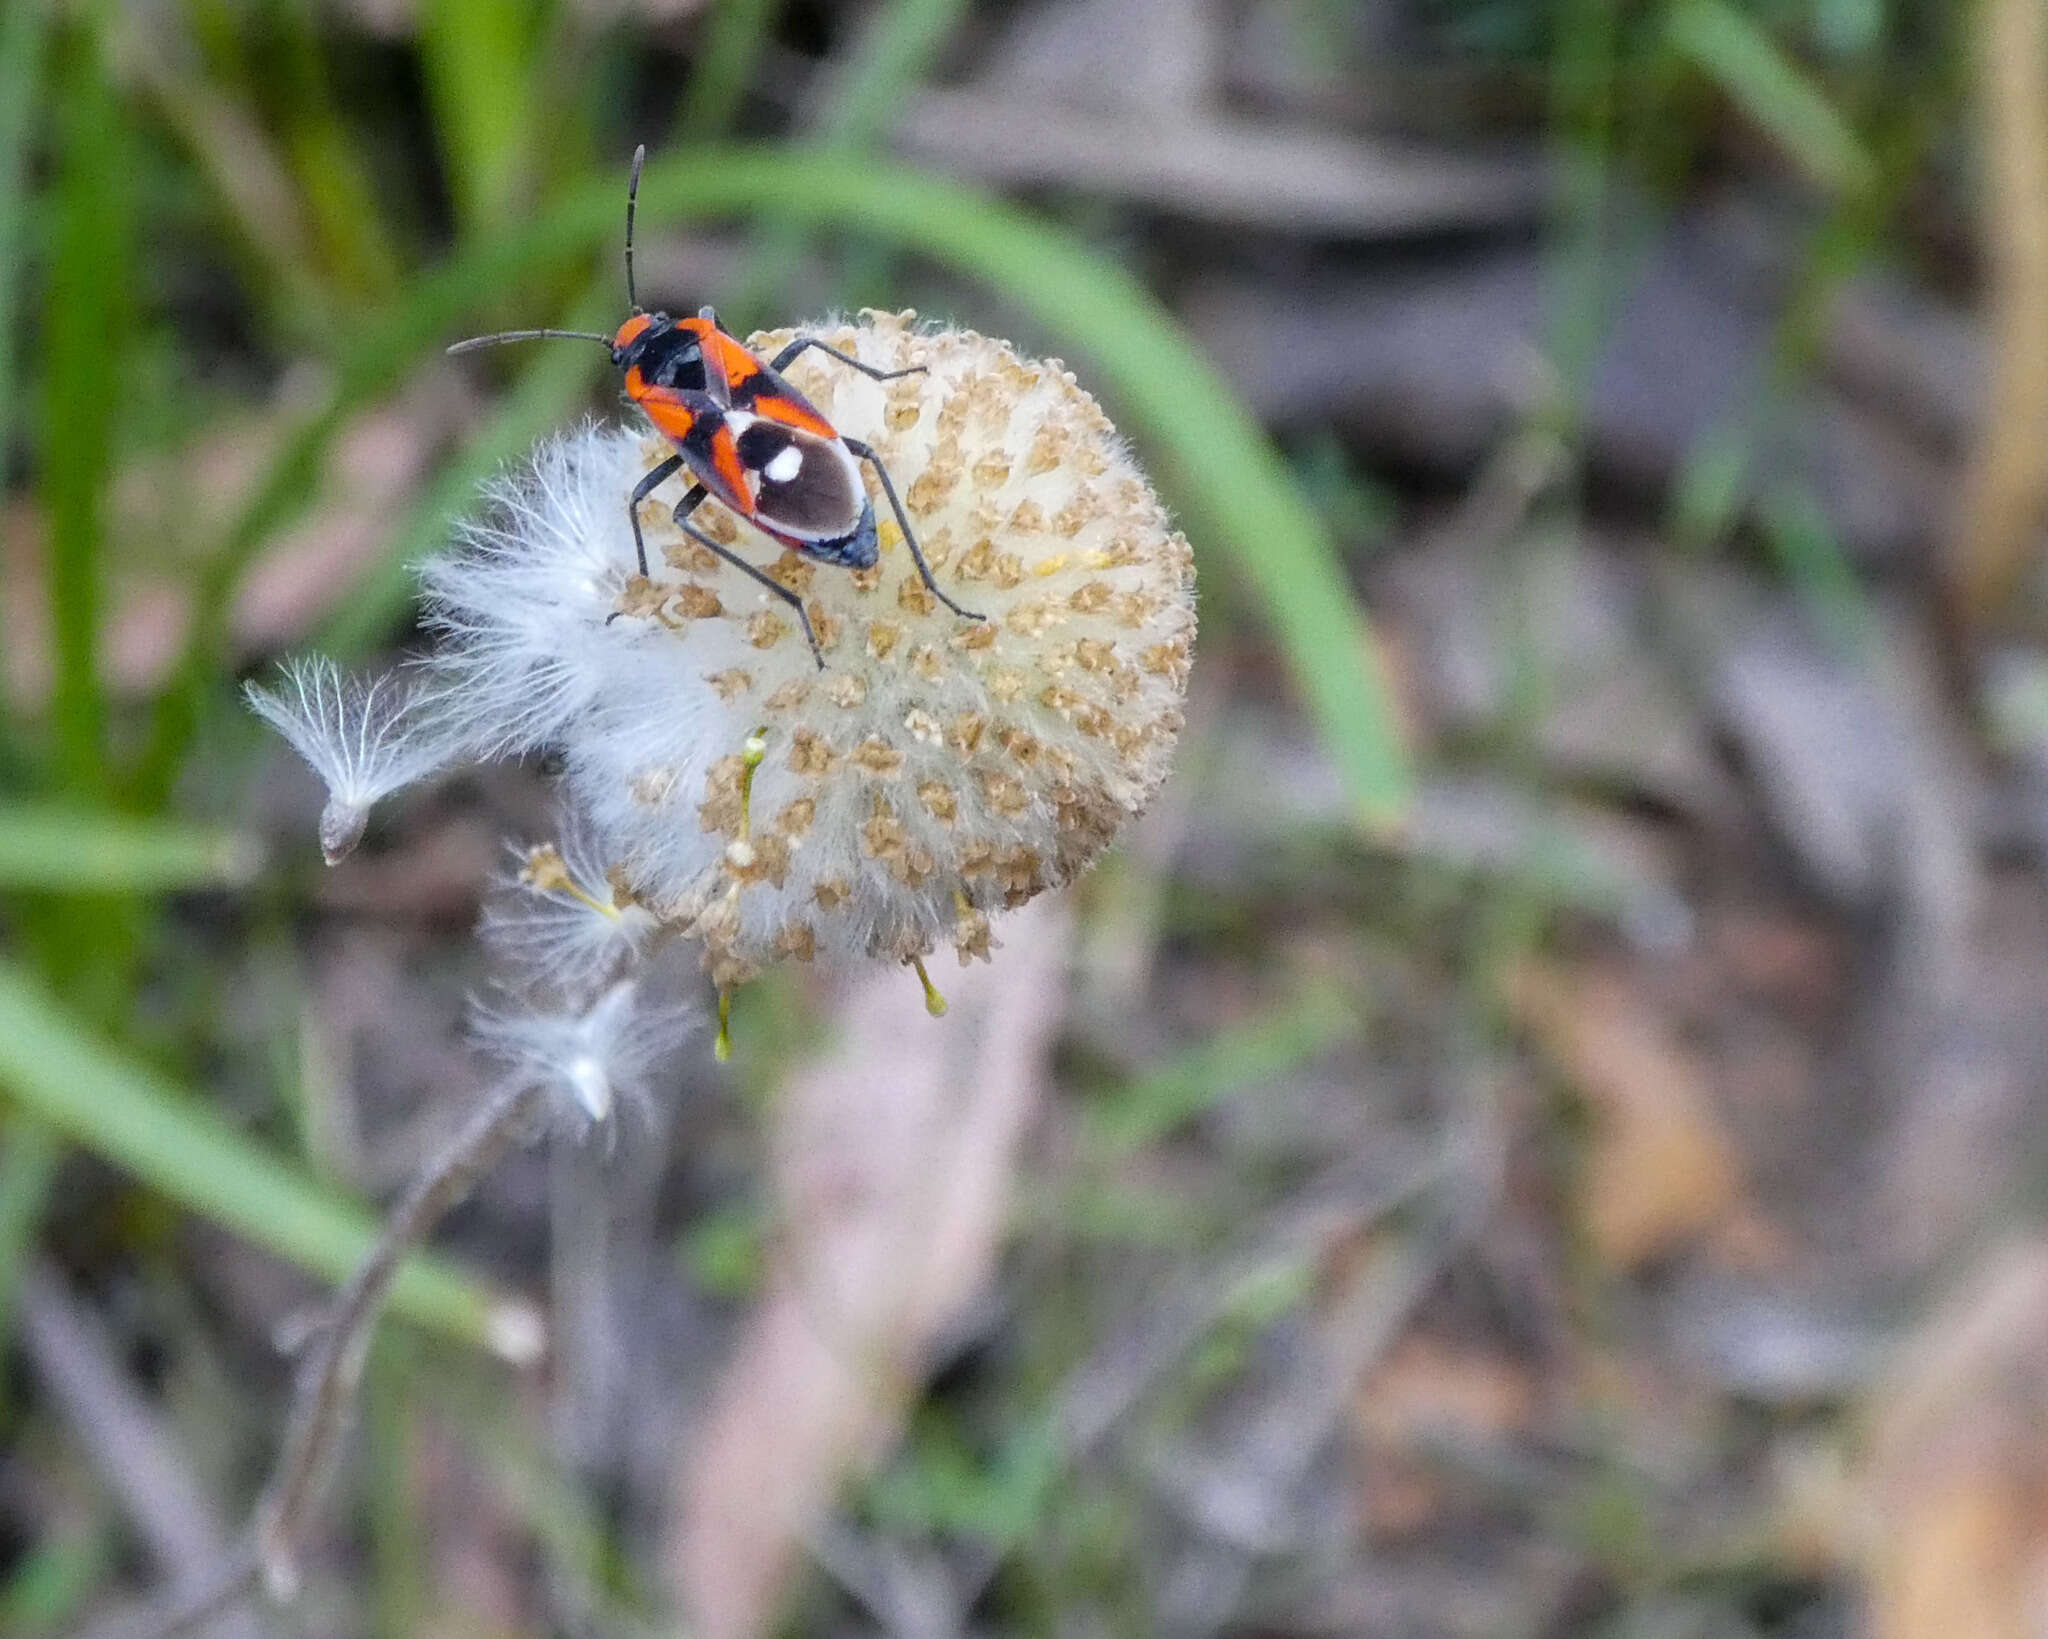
[
  {"x": 475, "y": 342},
  {"x": 632, "y": 198}
]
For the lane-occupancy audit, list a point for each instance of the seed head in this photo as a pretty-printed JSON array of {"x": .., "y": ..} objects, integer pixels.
[
  {"x": 718, "y": 782},
  {"x": 938, "y": 768}
]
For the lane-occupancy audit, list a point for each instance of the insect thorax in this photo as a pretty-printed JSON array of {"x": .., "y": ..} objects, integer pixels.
[{"x": 667, "y": 356}]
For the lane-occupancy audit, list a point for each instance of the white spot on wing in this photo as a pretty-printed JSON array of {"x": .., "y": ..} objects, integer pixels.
[{"x": 785, "y": 466}]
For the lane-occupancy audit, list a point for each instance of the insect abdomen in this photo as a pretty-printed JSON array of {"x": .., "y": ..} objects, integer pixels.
[{"x": 805, "y": 486}]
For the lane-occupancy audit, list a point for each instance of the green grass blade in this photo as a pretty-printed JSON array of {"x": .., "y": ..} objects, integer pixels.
[
  {"x": 88, "y": 301},
  {"x": 136, "y": 1119},
  {"x": 735, "y": 36},
  {"x": 24, "y": 30},
  {"x": 1813, "y": 559},
  {"x": 29, "y": 1154},
  {"x": 48, "y": 847},
  {"x": 1581, "y": 140},
  {"x": 888, "y": 57},
  {"x": 1215, "y": 461},
  {"x": 340, "y": 199},
  {"x": 1259, "y": 1050},
  {"x": 888, "y": 60},
  {"x": 479, "y": 71},
  {"x": 1739, "y": 57},
  {"x": 50, "y": 1584}
]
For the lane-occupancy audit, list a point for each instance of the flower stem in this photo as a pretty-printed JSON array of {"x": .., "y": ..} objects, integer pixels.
[{"x": 934, "y": 1003}]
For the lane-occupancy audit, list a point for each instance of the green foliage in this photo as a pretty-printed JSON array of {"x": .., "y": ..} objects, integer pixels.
[
  {"x": 484, "y": 80},
  {"x": 942, "y": 1484},
  {"x": 88, "y": 295},
  {"x": 28, "y": 1164},
  {"x": 1811, "y": 557},
  {"x": 1359, "y": 511},
  {"x": 1111, "y": 1210},
  {"x": 82, "y": 1088},
  {"x": 1243, "y": 1056},
  {"x": 24, "y": 40},
  {"x": 736, "y": 35},
  {"x": 58, "y": 848},
  {"x": 51, "y": 1583},
  {"x": 1258, "y": 1304},
  {"x": 898, "y": 47},
  {"x": 726, "y": 1252},
  {"x": 1747, "y": 65}
]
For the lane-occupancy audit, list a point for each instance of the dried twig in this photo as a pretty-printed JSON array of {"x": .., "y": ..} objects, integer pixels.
[
  {"x": 2007, "y": 482},
  {"x": 328, "y": 1380},
  {"x": 136, "y": 1455},
  {"x": 333, "y": 1368}
]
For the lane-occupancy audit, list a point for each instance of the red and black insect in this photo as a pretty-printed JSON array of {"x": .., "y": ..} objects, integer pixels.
[{"x": 748, "y": 438}]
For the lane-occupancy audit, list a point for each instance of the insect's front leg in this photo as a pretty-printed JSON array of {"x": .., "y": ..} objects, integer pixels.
[
  {"x": 646, "y": 487},
  {"x": 866, "y": 453}
]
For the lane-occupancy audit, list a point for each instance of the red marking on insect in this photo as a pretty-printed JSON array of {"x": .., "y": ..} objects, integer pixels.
[
  {"x": 747, "y": 437},
  {"x": 792, "y": 412},
  {"x": 631, "y": 331}
]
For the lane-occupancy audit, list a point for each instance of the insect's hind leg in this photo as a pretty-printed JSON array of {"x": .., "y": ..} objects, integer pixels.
[
  {"x": 790, "y": 354},
  {"x": 865, "y": 452},
  {"x": 646, "y": 487},
  {"x": 693, "y": 498},
  {"x": 683, "y": 509}
]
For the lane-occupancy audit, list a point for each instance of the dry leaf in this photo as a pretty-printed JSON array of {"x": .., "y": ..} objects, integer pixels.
[
  {"x": 1958, "y": 1476},
  {"x": 893, "y": 1172},
  {"x": 1428, "y": 1390},
  {"x": 1661, "y": 1171}
]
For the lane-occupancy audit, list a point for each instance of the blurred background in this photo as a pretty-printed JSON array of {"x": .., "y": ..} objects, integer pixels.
[{"x": 1538, "y": 1133}]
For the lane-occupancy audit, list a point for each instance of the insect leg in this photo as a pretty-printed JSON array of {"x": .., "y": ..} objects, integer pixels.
[
  {"x": 783, "y": 359},
  {"x": 646, "y": 487},
  {"x": 766, "y": 580},
  {"x": 867, "y": 454}
]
